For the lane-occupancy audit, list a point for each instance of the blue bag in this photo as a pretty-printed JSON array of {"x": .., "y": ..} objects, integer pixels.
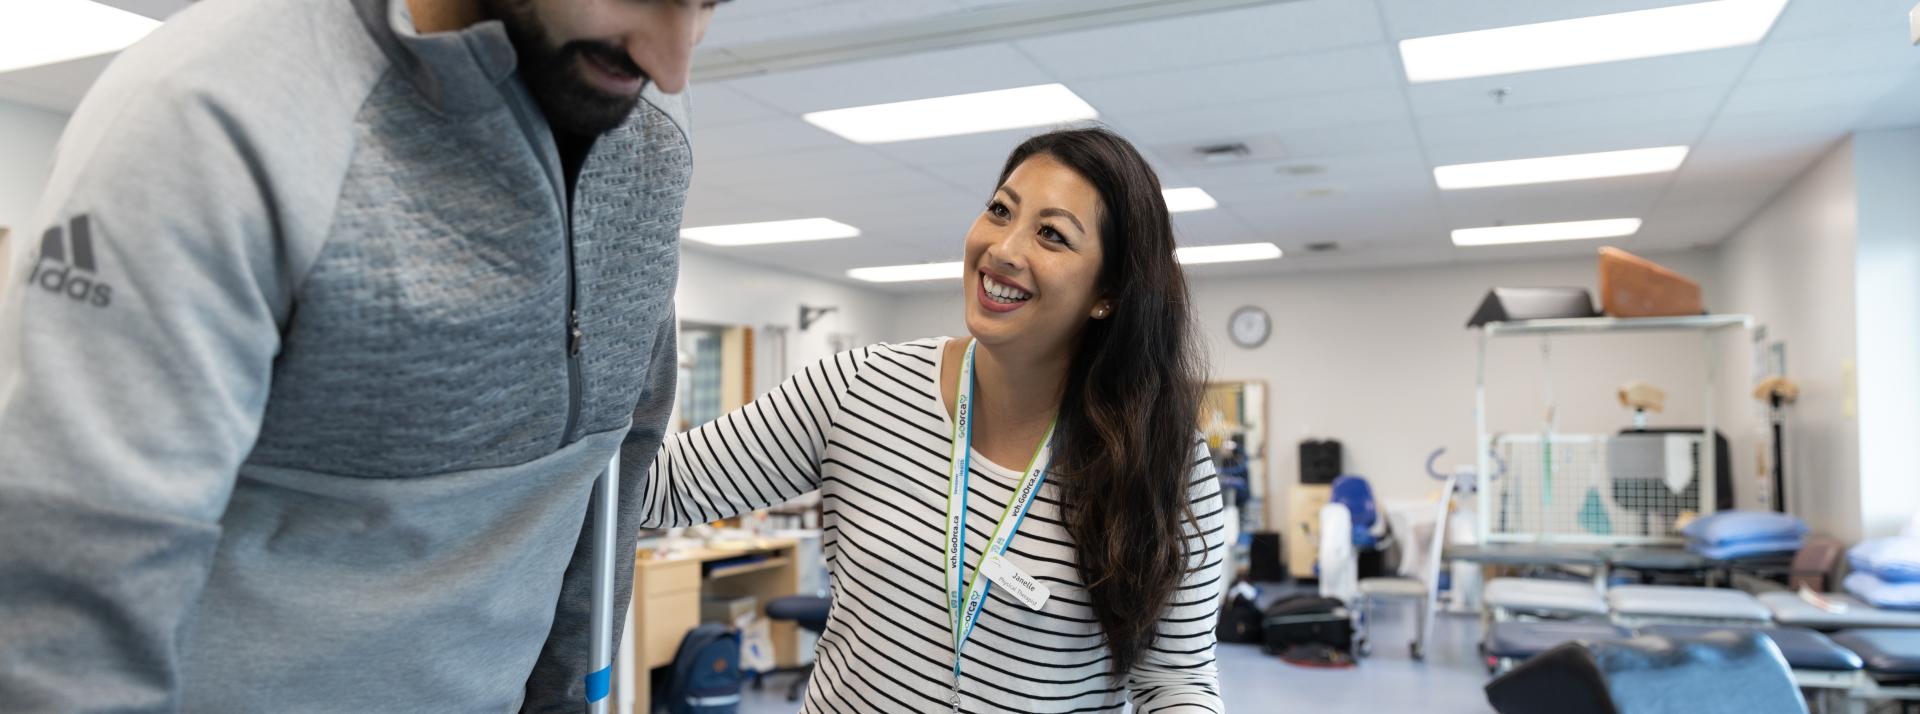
[{"x": 705, "y": 675}]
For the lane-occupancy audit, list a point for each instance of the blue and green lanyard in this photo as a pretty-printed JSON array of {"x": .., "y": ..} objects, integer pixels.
[{"x": 966, "y": 596}]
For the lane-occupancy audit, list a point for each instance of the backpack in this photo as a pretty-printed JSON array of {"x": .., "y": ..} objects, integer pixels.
[
  {"x": 705, "y": 675},
  {"x": 1240, "y": 622},
  {"x": 1308, "y": 622}
]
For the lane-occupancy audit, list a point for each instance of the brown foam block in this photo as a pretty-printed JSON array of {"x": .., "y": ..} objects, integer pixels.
[{"x": 1632, "y": 286}]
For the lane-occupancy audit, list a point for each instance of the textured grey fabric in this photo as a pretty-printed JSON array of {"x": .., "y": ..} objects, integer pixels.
[
  {"x": 289, "y": 431},
  {"x": 1686, "y": 602}
]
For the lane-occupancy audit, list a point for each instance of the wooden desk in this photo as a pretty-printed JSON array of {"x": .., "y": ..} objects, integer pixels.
[{"x": 666, "y": 602}]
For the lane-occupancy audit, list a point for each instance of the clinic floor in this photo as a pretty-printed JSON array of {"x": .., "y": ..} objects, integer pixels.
[{"x": 1251, "y": 681}]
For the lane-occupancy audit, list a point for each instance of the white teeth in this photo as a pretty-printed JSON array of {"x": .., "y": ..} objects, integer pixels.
[{"x": 1002, "y": 293}]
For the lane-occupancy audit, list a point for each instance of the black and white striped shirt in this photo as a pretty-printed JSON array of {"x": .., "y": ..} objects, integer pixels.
[{"x": 870, "y": 430}]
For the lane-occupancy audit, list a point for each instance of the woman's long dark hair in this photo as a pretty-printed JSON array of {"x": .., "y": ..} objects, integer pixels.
[{"x": 1129, "y": 413}]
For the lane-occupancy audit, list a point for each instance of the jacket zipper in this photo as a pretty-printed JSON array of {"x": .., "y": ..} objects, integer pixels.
[
  {"x": 574, "y": 337},
  {"x": 549, "y": 151}
]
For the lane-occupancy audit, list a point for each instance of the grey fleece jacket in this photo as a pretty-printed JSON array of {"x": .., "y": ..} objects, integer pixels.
[{"x": 289, "y": 418}]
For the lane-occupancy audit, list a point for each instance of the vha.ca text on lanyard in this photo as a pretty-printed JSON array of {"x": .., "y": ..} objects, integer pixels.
[{"x": 965, "y": 597}]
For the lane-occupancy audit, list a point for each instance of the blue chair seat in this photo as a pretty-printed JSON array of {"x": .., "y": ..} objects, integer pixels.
[
  {"x": 1802, "y": 648},
  {"x": 1523, "y": 640},
  {"x": 1886, "y": 652},
  {"x": 807, "y": 611}
]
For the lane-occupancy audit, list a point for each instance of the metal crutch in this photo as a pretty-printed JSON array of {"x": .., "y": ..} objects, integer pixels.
[{"x": 605, "y": 509}]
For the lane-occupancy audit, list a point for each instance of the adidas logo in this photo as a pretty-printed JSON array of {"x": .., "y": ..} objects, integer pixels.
[{"x": 66, "y": 266}]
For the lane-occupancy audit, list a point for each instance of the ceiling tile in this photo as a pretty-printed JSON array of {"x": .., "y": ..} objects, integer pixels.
[
  {"x": 895, "y": 79},
  {"x": 795, "y": 166},
  {"x": 1849, "y": 94},
  {"x": 1307, "y": 173},
  {"x": 1209, "y": 38},
  {"x": 1190, "y": 89},
  {"x": 767, "y": 137},
  {"x": 1815, "y": 18},
  {"x": 1624, "y": 197},
  {"x": 742, "y": 23},
  {"x": 1716, "y": 69},
  {"x": 1572, "y": 118},
  {"x": 1272, "y": 117},
  {"x": 1212, "y": 227},
  {"x": 1420, "y": 18},
  {"x": 1589, "y": 140},
  {"x": 718, "y": 104},
  {"x": 1883, "y": 49}
]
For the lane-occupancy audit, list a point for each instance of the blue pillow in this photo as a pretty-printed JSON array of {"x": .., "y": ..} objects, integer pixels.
[
  {"x": 1882, "y": 594},
  {"x": 1894, "y": 560},
  {"x": 1747, "y": 548},
  {"x": 1741, "y": 526}
]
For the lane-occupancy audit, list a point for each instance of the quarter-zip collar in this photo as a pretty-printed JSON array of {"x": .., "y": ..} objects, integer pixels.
[{"x": 458, "y": 72}]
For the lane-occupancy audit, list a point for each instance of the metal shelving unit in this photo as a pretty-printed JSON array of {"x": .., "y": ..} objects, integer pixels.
[{"x": 1709, "y": 326}]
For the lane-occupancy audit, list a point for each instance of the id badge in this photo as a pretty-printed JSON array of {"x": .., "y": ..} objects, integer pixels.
[{"x": 1010, "y": 578}]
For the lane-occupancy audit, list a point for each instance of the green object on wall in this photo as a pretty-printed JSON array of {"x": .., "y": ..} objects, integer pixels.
[{"x": 1593, "y": 514}]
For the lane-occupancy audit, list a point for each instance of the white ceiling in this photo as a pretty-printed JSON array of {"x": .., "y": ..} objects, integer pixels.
[
  {"x": 1311, "y": 85},
  {"x": 1315, "y": 84}
]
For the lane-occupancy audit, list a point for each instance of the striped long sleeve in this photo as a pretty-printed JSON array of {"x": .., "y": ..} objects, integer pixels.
[
  {"x": 1178, "y": 674},
  {"x": 871, "y": 431},
  {"x": 762, "y": 454}
]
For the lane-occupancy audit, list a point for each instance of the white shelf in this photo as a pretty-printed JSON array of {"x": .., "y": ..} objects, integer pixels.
[{"x": 1617, "y": 324}]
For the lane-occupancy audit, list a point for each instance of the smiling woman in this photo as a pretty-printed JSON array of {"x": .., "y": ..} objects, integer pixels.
[{"x": 1073, "y": 404}]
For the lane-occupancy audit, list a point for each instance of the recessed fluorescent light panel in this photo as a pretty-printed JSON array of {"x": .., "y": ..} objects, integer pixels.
[
  {"x": 1543, "y": 232},
  {"x": 1182, "y": 200},
  {"x": 1572, "y": 167},
  {"x": 795, "y": 231},
  {"x": 1589, "y": 40},
  {"x": 37, "y": 32},
  {"x": 906, "y": 273},
  {"x": 1039, "y": 105},
  {"x": 1235, "y": 253}
]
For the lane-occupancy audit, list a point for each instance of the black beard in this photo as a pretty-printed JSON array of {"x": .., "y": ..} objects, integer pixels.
[{"x": 556, "y": 80}]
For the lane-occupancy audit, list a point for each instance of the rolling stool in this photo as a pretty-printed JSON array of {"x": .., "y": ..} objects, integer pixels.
[{"x": 810, "y": 613}]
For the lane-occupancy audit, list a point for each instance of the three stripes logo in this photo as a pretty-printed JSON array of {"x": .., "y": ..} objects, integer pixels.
[{"x": 66, "y": 264}]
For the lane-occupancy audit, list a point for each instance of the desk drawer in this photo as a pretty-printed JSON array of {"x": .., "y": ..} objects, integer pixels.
[
  {"x": 670, "y": 577},
  {"x": 667, "y": 618}
]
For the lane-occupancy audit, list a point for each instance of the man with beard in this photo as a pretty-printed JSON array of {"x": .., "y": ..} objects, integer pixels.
[{"x": 330, "y": 316}]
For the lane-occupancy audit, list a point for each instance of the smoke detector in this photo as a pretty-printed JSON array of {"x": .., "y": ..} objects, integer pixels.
[{"x": 1223, "y": 153}]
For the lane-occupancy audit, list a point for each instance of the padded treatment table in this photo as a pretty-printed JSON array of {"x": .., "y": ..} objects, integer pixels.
[
  {"x": 1636, "y": 605},
  {"x": 1789, "y": 609},
  {"x": 1657, "y": 561},
  {"x": 1510, "y": 643},
  {"x": 1507, "y": 598},
  {"x": 1817, "y": 662},
  {"x": 1524, "y": 554},
  {"x": 1726, "y": 670},
  {"x": 1892, "y": 659}
]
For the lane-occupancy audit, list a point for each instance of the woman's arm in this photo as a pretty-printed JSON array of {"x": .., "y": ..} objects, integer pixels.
[
  {"x": 762, "y": 454},
  {"x": 1178, "y": 673}
]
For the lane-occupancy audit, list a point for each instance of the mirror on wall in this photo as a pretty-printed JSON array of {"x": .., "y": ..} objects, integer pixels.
[
  {"x": 1233, "y": 418},
  {"x": 716, "y": 372}
]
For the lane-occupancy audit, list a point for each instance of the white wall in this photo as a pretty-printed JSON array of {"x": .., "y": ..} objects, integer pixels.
[
  {"x": 1792, "y": 267},
  {"x": 1887, "y": 313},
  {"x": 1381, "y": 360},
  {"x": 717, "y": 290},
  {"x": 27, "y": 137}
]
